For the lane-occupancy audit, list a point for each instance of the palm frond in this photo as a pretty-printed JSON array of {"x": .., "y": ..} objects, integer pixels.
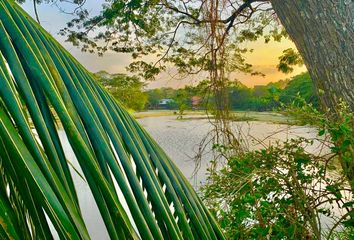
[{"x": 39, "y": 82}]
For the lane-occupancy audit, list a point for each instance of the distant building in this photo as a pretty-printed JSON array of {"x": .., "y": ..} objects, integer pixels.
[
  {"x": 165, "y": 103},
  {"x": 196, "y": 100}
]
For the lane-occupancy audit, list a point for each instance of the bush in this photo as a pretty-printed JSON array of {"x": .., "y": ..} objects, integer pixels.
[{"x": 285, "y": 192}]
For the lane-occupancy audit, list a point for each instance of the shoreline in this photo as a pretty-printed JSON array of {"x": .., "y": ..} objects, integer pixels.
[{"x": 236, "y": 116}]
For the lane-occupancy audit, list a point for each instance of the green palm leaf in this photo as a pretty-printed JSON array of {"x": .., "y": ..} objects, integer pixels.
[{"x": 39, "y": 81}]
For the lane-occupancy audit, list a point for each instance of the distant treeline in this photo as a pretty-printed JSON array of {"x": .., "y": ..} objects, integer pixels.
[
  {"x": 258, "y": 98},
  {"x": 130, "y": 92}
]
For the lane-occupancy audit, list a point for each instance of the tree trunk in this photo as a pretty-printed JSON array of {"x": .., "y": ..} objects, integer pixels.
[{"x": 323, "y": 32}]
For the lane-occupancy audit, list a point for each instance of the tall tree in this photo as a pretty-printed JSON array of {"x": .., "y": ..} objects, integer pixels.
[
  {"x": 126, "y": 89},
  {"x": 323, "y": 32}
]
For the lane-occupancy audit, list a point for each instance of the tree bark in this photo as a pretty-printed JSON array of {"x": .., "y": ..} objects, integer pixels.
[{"x": 323, "y": 32}]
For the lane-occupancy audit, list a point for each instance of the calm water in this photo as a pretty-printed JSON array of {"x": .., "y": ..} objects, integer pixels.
[{"x": 180, "y": 139}]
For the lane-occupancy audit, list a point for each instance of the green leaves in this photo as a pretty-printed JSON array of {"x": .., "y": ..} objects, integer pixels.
[
  {"x": 128, "y": 90},
  {"x": 289, "y": 59},
  {"x": 279, "y": 192},
  {"x": 41, "y": 82}
]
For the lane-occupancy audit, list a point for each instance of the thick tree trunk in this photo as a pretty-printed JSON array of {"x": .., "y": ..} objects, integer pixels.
[{"x": 323, "y": 32}]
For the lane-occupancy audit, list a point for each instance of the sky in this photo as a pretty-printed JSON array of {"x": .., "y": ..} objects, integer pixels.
[{"x": 264, "y": 57}]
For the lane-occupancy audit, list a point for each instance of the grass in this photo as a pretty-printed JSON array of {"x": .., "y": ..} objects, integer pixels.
[
  {"x": 164, "y": 113},
  {"x": 271, "y": 117}
]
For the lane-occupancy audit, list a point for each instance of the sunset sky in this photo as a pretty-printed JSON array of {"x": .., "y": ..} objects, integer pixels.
[{"x": 264, "y": 58}]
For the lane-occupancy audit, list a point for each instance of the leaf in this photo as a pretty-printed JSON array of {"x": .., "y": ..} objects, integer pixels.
[
  {"x": 40, "y": 77},
  {"x": 348, "y": 204}
]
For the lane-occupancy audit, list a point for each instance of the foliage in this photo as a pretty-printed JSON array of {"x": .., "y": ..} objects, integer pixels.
[
  {"x": 181, "y": 101},
  {"x": 273, "y": 95},
  {"x": 77, "y": 2},
  {"x": 300, "y": 85},
  {"x": 155, "y": 27},
  {"x": 339, "y": 126},
  {"x": 283, "y": 191},
  {"x": 39, "y": 80},
  {"x": 289, "y": 59},
  {"x": 180, "y": 96},
  {"x": 128, "y": 90},
  {"x": 259, "y": 98}
]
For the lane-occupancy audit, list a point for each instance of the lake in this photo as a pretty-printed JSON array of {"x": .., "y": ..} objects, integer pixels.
[{"x": 180, "y": 140}]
